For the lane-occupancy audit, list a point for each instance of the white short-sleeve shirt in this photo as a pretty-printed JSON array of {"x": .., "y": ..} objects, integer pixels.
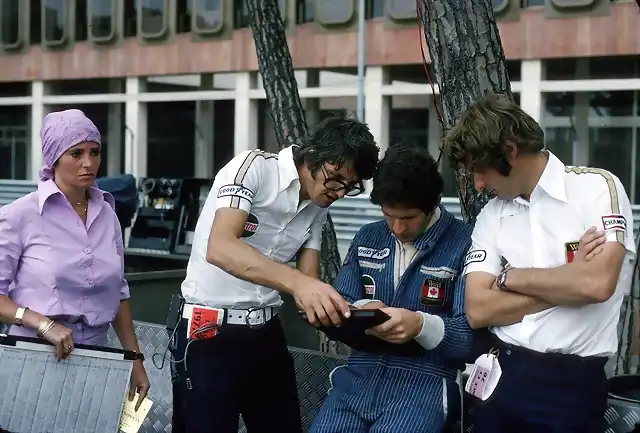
[
  {"x": 265, "y": 186},
  {"x": 543, "y": 233}
]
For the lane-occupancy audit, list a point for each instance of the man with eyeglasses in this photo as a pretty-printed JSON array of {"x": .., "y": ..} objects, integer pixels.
[
  {"x": 410, "y": 267},
  {"x": 263, "y": 211}
]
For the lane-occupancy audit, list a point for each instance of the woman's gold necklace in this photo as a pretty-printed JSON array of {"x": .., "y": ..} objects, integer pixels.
[{"x": 85, "y": 206}]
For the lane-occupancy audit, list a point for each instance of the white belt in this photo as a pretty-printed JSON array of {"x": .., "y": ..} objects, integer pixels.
[{"x": 253, "y": 317}]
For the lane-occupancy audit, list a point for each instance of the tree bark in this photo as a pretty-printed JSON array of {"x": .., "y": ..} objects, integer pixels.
[
  {"x": 285, "y": 108},
  {"x": 466, "y": 52}
]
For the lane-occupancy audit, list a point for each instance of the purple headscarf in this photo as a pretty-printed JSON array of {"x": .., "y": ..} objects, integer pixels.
[{"x": 61, "y": 130}]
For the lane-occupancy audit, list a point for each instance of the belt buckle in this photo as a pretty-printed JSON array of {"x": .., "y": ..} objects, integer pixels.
[{"x": 247, "y": 318}]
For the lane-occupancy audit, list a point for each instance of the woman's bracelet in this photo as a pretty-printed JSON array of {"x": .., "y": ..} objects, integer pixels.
[{"x": 45, "y": 326}]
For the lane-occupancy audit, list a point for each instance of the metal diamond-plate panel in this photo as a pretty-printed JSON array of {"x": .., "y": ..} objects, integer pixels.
[
  {"x": 312, "y": 375},
  {"x": 622, "y": 417},
  {"x": 153, "y": 339}
]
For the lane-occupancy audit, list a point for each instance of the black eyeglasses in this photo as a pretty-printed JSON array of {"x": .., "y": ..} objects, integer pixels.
[{"x": 336, "y": 185}]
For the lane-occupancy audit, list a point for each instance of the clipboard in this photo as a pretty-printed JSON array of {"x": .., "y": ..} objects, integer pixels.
[
  {"x": 351, "y": 332},
  {"x": 85, "y": 392}
]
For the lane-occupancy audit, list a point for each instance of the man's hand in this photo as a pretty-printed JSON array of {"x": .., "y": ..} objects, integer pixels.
[
  {"x": 590, "y": 245},
  {"x": 373, "y": 305},
  {"x": 402, "y": 326},
  {"x": 322, "y": 303}
]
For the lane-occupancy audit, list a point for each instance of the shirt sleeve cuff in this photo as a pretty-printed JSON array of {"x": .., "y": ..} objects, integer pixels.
[
  {"x": 432, "y": 331},
  {"x": 124, "y": 291},
  {"x": 360, "y": 302}
]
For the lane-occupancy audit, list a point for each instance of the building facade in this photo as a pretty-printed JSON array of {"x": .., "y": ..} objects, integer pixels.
[{"x": 173, "y": 84}]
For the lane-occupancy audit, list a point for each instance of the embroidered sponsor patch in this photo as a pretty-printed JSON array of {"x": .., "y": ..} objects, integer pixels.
[
  {"x": 371, "y": 265},
  {"x": 570, "y": 249},
  {"x": 235, "y": 191},
  {"x": 614, "y": 222},
  {"x": 433, "y": 292},
  {"x": 441, "y": 272},
  {"x": 369, "y": 286},
  {"x": 251, "y": 226},
  {"x": 372, "y": 253},
  {"x": 475, "y": 257}
]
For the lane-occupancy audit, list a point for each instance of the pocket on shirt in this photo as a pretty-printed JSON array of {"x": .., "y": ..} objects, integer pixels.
[{"x": 435, "y": 293}]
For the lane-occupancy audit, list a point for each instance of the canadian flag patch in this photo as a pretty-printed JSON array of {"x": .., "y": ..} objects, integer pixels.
[{"x": 433, "y": 292}]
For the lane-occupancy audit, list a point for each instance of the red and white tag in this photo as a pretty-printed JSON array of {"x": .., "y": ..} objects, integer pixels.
[
  {"x": 484, "y": 377},
  {"x": 199, "y": 317}
]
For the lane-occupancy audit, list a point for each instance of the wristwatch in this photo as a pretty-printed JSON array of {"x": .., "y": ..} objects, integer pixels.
[
  {"x": 502, "y": 279},
  {"x": 19, "y": 315}
]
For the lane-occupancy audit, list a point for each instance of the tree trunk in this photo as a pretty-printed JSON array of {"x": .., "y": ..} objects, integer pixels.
[
  {"x": 466, "y": 52},
  {"x": 467, "y": 55},
  {"x": 285, "y": 107}
]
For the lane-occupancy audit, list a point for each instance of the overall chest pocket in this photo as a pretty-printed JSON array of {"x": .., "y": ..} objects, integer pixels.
[{"x": 436, "y": 289}]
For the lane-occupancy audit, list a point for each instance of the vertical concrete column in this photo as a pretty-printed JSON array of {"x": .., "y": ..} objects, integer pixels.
[
  {"x": 115, "y": 127},
  {"x": 38, "y": 110},
  {"x": 203, "y": 130},
  {"x": 377, "y": 107},
  {"x": 531, "y": 94},
  {"x": 246, "y": 114},
  {"x": 312, "y": 105},
  {"x": 135, "y": 142}
]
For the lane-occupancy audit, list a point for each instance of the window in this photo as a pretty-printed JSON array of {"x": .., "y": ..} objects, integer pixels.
[
  {"x": 81, "y": 21},
  {"x": 611, "y": 149},
  {"x": 13, "y": 152},
  {"x": 208, "y": 16},
  {"x": 304, "y": 11},
  {"x": 561, "y": 141},
  {"x": 152, "y": 16},
  {"x": 10, "y": 20},
  {"x": 335, "y": 12},
  {"x": 375, "y": 8},
  {"x": 573, "y": 3},
  {"x": 531, "y": 3},
  {"x": 55, "y": 21},
  {"x": 101, "y": 16},
  {"x": 402, "y": 9}
]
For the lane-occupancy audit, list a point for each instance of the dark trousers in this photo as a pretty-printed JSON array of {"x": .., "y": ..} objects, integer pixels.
[
  {"x": 239, "y": 371},
  {"x": 544, "y": 393}
]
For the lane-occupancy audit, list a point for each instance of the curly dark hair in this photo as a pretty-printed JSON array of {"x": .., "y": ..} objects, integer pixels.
[
  {"x": 407, "y": 177},
  {"x": 479, "y": 138},
  {"x": 339, "y": 140}
]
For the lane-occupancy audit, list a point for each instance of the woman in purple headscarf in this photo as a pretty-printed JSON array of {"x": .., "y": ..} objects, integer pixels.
[{"x": 61, "y": 250}]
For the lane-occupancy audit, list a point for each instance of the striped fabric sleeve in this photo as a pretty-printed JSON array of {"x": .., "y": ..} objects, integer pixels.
[
  {"x": 607, "y": 206},
  {"x": 238, "y": 182}
]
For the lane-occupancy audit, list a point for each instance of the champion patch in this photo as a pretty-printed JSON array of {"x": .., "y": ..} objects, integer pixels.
[
  {"x": 372, "y": 253},
  {"x": 250, "y": 226},
  {"x": 236, "y": 191},
  {"x": 369, "y": 286},
  {"x": 432, "y": 293},
  {"x": 614, "y": 222},
  {"x": 475, "y": 257},
  {"x": 570, "y": 250}
]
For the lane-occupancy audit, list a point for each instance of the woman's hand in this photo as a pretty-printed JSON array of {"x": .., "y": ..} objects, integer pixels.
[
  {"x": 60, "y": 337},
  {"x": 139, "y": 383}
]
